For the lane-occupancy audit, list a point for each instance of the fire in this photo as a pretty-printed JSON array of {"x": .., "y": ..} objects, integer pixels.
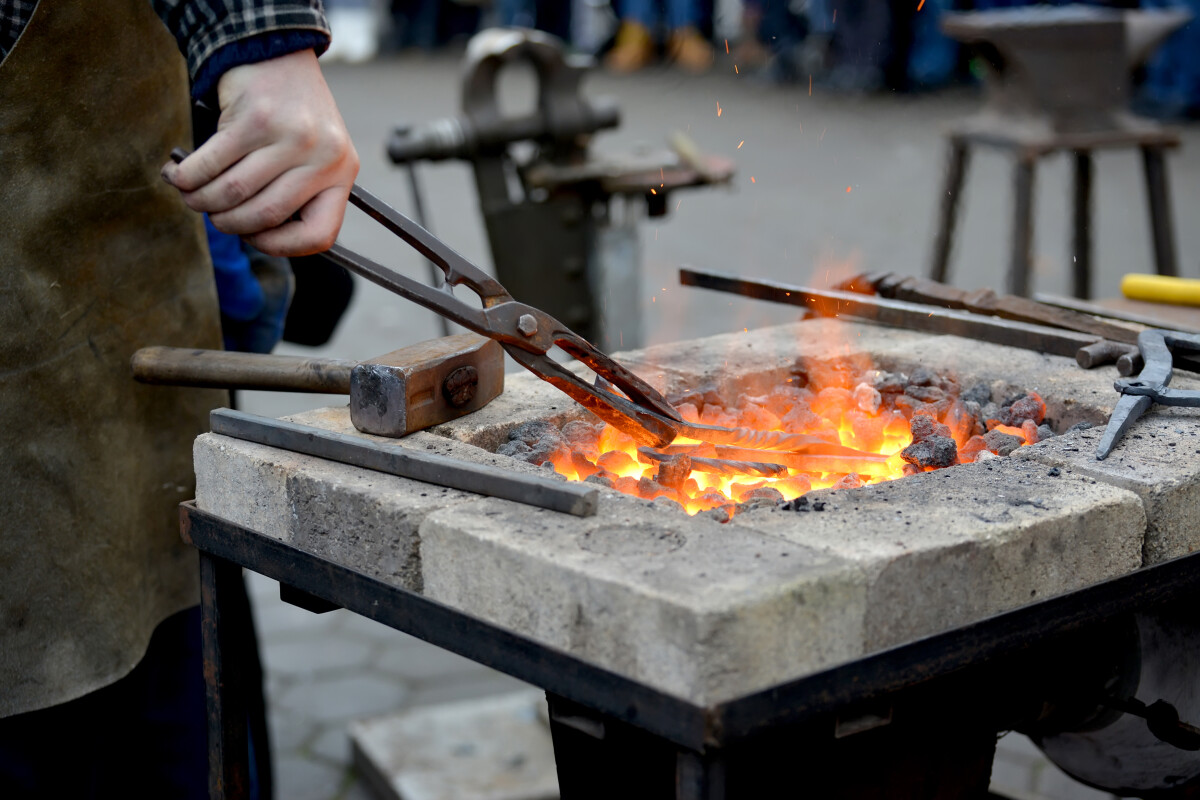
[{"x": 842, "y": 401}]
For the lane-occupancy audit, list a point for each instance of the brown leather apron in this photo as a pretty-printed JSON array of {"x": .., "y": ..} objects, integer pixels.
[{"x": 97, "y": 258}]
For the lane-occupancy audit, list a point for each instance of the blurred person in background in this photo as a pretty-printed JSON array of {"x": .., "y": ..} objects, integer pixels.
[
  {"x": 635, "y": 45},
  {"x": 551, "y": 16}
]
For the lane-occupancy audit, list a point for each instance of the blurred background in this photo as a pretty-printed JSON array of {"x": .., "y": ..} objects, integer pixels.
[{"x": 832, "y": 114}]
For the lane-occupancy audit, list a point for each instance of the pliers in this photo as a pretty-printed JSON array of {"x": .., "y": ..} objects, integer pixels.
[
  {"x": 527, "y": 334},
  {"x": 1150, "y": 386}
]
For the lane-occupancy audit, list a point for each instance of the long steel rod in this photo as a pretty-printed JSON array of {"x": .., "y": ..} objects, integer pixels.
[
  {"x": 395, "y": 459},
  {"x": 896, "y": 313}
]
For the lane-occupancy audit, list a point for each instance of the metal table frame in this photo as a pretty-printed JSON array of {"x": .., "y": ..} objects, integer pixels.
[{"x": 917, "y": 720}]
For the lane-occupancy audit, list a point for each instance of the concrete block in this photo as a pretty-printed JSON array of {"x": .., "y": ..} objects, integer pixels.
[
  {"x": 1159, "y": 460},
  {"x": 941, "y": 549},
  {"x": 244, "y": 483},
  {"x": 697, "y": 609},
  {"x": 495, "y": 749}
]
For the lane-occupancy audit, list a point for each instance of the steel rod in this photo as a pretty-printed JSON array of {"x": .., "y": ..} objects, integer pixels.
[
  {"x": 395, "y": 459},
  {"x": 896, "y": 313}
]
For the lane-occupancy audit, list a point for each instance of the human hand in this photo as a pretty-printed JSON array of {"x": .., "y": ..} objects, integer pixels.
[{"x": 280, "y": 148}]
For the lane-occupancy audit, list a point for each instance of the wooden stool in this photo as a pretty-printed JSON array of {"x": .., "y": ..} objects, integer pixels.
[{"x": 1026, "y": 150}]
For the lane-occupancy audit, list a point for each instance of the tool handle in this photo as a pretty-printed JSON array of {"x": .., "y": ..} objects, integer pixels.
[
  {"x": 181, "y": 366},
  {"x": 1161, "y": 289}
]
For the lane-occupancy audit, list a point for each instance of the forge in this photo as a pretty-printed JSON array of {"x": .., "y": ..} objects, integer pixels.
[{"x": 751, "y": 592}]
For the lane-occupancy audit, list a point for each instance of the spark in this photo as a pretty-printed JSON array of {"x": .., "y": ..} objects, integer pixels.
[
  {"x": 920, "y": 4},
  {"x": 727, "y": 41},
  {"x": 847, "y": 190},
  {"x": 653, "y": 191},
  {"x": 752, "y": 179},
  {"x": 718, "y": 108},
  {"x": 677, "y": 205},
  {"x": 735, "y": 70},
  {"x": 742, "y": 142},
  {"x": 810, "y": 84}
]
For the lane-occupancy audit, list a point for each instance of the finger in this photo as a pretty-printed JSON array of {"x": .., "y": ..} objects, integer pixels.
[
  {"x": 315, "y": 231},
  {"x": 225, "y": 148},
  {"x": 272, "y": 206},
  {"x": 236, "y": 185}
]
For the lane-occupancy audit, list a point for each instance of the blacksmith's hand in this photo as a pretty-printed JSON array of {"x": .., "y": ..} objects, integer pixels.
[{"x": 278, "y": 171}]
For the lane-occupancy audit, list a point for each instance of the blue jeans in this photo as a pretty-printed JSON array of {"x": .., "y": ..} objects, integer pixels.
[{"x": 678, "y": 13}]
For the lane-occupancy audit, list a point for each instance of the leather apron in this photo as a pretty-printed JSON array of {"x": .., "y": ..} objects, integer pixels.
[{"x": 98, "y": 257}]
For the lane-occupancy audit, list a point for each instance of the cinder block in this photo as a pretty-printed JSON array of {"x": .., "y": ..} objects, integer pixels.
[
  {"x": 944, "y": 548},
  {"x": 697, "y": 609}
]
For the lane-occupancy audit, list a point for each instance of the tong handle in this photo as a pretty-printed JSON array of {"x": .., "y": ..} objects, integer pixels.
[{"x": 457, "y": 269}]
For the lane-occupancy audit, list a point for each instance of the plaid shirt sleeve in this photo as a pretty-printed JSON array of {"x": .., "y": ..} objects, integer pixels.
[{"x": 202, "y": 27}]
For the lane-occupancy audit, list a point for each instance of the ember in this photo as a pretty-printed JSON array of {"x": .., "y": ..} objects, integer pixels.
[{"x": 870, "y": 426}]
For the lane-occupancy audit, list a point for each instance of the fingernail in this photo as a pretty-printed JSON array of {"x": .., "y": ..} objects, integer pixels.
[{"x": 165, "y": 176}]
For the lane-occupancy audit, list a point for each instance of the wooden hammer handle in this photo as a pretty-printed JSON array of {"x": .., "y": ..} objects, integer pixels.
[{"x": 181, "y": 366}]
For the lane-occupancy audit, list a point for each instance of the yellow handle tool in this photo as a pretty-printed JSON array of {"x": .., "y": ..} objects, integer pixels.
[{"x": 1161, "y": 289}]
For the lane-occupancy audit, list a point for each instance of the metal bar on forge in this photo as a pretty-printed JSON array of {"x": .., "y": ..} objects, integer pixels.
[
  {"x": 394, "y": 459},
  {"x": 896, "y": 313}
]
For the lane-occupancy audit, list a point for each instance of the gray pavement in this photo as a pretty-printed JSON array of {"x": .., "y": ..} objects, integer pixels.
[{"x": 839, "y": 184}]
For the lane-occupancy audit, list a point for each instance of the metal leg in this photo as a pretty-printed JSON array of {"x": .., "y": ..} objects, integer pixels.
[
  {"x": 228, "y": 754},
  {"x": 599, "y": 758},
  {"x": 1160, "y": 210},
  {"x": 699, "y": 777},
  {"x": 1022, "y": 249},
  {"x": 1081, "y": 249},
  {"x": 956, "y": 169}
]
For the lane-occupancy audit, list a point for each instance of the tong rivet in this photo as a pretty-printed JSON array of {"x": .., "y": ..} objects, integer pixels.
[{"x": 527, "y": 325}]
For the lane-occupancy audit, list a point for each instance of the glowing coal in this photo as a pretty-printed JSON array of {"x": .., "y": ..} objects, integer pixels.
[{"x": 897, "y": 424}]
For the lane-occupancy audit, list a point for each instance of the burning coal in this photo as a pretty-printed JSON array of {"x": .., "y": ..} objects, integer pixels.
[{"x": 878, "y": 426}]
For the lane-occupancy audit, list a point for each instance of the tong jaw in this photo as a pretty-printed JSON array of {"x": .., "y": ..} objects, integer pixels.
[{"x": 1139, "y": 393}]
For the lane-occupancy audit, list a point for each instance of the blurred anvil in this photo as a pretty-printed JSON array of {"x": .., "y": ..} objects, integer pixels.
[{"x": 1061, "y": 70}]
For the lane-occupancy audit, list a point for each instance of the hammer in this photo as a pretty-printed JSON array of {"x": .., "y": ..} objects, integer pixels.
[{"x": 396, "y": 394}]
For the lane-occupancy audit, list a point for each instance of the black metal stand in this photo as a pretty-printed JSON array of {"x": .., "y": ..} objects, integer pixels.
[
  {"x": 918, "y": 721},
  {"x": 1153, "y": 145}
]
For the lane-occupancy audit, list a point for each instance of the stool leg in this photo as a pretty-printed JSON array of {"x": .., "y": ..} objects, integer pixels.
[
  {"x": 1082, "y": 245},
  {"x": 956, "y": 168},
  {"x": 1022, "y": 251},
  {"x": 1160, "y": 210}
]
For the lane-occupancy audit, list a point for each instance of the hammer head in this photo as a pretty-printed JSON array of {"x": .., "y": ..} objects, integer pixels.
[{"x": 426, "y": 384}]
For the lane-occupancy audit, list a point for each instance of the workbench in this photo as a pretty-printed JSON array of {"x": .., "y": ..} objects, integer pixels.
[{"x": 874, "y": 649}]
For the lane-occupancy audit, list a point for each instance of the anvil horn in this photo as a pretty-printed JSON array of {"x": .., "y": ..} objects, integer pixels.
[{"x": 1146, "y": 30}]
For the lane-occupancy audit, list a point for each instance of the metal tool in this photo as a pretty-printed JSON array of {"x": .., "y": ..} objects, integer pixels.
[
  {"x": 527, "y": 334},
  {"x": 539, "y": 181},
  {"x": 571, "y": 498},
  {"x": 1150, "y": 386},
  {"x": 986, "y": 301},
  {"x": 394, "y": 395},
  {"x": 897, "y": 313}
]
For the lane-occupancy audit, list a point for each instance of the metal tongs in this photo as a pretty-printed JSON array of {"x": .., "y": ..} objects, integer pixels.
[
  {"x": 1150, "y": 386},
  {"x": 527, "y": 334}
]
